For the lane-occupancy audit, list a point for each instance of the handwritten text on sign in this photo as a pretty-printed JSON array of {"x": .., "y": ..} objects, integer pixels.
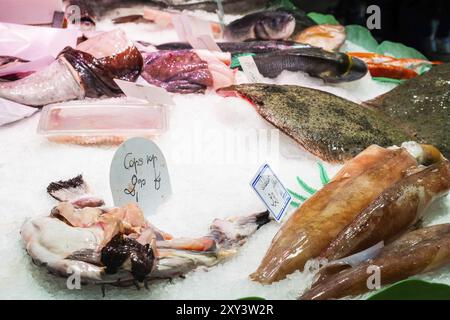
[{"x": 139, "y": 174}]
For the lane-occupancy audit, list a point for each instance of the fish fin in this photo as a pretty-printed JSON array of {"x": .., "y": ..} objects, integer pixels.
[
  {"x": 75, "y": 191},
  {"x": 86, "y": 255},
  {"x": 64, "y": 190}
]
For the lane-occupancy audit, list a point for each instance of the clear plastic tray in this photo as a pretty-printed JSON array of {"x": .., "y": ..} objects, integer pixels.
[{"x": 101, "y": 122}]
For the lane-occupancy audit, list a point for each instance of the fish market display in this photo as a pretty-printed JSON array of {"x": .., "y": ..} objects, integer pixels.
[
  {"x": 326, "y": 36},
  {"x": 322, "y": 217},
  {"x": 416, "y": 252},
  {"x": 119, "y": 246},
  {"x": 392, "y": 212},
  {"x": 264, "y": 25},
  {"x": 422, "y": 105},
  {"x": 329, "y": 66},
  {"x": 390, "y": 67},
  {"x": 188, "y": 71},
  {"x": 261, "y": 46},
  {"x": 328, "y": 126},
  {"x": 87, "y": 71}
]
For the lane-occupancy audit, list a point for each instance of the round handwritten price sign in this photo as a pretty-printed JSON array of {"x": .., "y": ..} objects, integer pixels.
[{"x": 139, "y": 174}]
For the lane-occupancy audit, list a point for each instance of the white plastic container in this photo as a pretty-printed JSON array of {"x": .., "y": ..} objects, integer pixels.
[{"x": 107, "y": 122}]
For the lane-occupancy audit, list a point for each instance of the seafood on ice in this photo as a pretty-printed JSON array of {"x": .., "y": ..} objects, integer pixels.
[
  {"x": 328, "y": 126},
  {"x": 87, "y": 71},
  {"x": 389, "y": 67},
  {"x": 329, "y": 66},
  {"x": 118, "y": 246},
  {"x": 421, "y": 105},
  {"x": 419, "y": 251},
  {"x": 369, "y": 180},
  {"x": 188, "y": 71},
  {"x": 394, "y": 211}
]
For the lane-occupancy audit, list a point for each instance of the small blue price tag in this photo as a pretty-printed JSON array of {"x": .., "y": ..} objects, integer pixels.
[{"x": 271, "y": 192}]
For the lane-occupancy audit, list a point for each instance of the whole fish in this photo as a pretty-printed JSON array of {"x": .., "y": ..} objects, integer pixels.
[
  {"x": 118, "y": 246},
  {"x": 311, "y": 228},
  {"x": 258, "y": 46},
  {"x": 392, "y": 212},
  {"x": 329, "y": 66},
  {"x": 88, "y": 71},
  {"x": 328, "y": 126},
  {"x": 422, "y": 105},
  {"x": 415, "y": 252},
  {"x": 264, "y": 25}
]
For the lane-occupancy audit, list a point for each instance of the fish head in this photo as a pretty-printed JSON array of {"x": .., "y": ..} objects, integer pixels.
[{"x": 275, "y": 25}]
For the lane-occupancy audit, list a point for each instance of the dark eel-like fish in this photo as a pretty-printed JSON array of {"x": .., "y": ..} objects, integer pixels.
[
  {"x": 77, "y": 74},
  {"x": 329, "y": 66},
  {"x": 328, "y": 126},
  {"x": 416, "y": 252},
  {"x": 422, "y": 105},
  {"x": 261, "y": 46}
]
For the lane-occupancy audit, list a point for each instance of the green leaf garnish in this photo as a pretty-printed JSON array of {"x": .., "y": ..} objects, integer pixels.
[
  {"x": 390, "y": 80},
  {"x": 413, "y": 289},
  {"x": 305, "y": 187},
  {"x": 323, "y": 177},
  {"x": 399, "y": 50},
  {"x": 320, "y": 18},
  {"x": 323, "y": 174},
  {"x": 295, "y": 204},
  {"x": 361, "y": 37},
  {"x": 296, "y": 195}
]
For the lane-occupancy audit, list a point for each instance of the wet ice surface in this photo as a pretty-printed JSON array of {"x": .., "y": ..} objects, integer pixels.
[{"x": 209, "y": 180}]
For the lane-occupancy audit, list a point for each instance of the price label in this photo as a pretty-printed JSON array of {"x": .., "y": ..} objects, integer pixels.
[
  {"x": 146, "y": 92},
  {"x": 139, "y": 174},
  {"x": 250, "y": 69},
  {"x": 195, "y": 31},
  {"x": 271, "y": 192}
]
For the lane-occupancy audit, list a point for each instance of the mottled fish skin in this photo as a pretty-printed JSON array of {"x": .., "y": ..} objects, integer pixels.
[
  {"x": 311, "y": 228},
  {"x": 265, "y": 25},
  {"x": 423, "y": 105},
  {"x": 330, "y": 66},
  {"x": 328, "y": 126},
  {"x": 393, "y": 212},
  {"x": 415, "y": 252}
]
